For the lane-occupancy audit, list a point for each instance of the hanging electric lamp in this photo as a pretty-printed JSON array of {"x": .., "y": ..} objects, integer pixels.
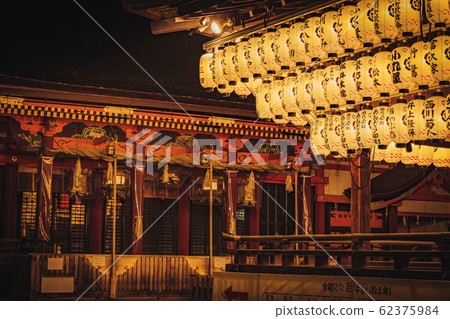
[
  {"x": 393, "y": 154},
  {"x": 438, "y": 12},
  {"x": 268, "y": 52},
  {"x": 407, "y": 16},
  {"x": 253, "y": 55},
  {"x": 364, "y": 25},
  {"x": 217, "y": 69},
  {"x": 380, "y": 128},
  {"x": 346, "y": 30},
  {"x": 313, "y": 42},
  {"x": 398, "y": 126},
  {"x": 426, "y": 154},
  {"x": 331, "y": 86},
  {"x": 440, "y": 58},
  {"x": 288, "y": 98},
  {"x": 347, "y": 82},
  {"x": 318, "y": 135},
  {"x": 242, "y": 89},
  {"x": 303, "y": 92},
  {"x": 384, "y": 20},
  {"x": 421, "y": 65},
  {"x": 416, "y": 119},
  {"x": 364, "y": 120},
  {"x": 228, "y": 63},
  {"x": 240, "y": 60},
  {"x": 364, "y": 78},
  {"x": 263, "y": 101},
  {"x": 329, "y": 34},
  {"x": 348, "y": 131},
  {"x": 281, "y": 45},
  {"x": 276, "y": 105},
  {"x": 410, "y": 154},
  {"x": 205, "y": 73},
  {"x": 401, "y": 69},
  {"x": 441, "y": 157},
  {"x": 382, "y": 73},
  {"x": 297, "y": 43},
  {"x": 333, "y": 133},
  {"x": 317, "y": 90},
  {"x": 437, "y": 117}
]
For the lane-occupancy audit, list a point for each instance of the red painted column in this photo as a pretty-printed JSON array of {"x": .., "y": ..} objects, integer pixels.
[
  {"x": 96, "y": 216},
  {"x": 137, "y": 198},
  {"x": 10, "y": 201},
  {"x": 230, "y": 205},
  {"x": 319, "y": 207},
  {"x": 254, "y": 219},
  {"x": 184, "y": 204}
]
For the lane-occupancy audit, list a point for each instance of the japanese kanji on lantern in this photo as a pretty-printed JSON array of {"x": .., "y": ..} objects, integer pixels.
[
  {"x": 303, "y": 92},
  {"x": 416, "y": 119},
  {"x": 364, "y": 25},
  {"x": 364, "y": 120},
  {"x": 347, "y": 82},
  {"x": 393, "y": 154},
  {"x": 229, "y": 68},
  {"x": 346, "y": 32},
  {"x": 407, "y": 16},
  {"x": 297, "y": 49},
  {"x": 329, "y": 34},
  {"x": 440, "y": 59},
  {"x": 364, "y": 78},
  {"x": 313, "y": 42},
  {"x": 318, "y": 135},
  {"x": 332, "y": 88},
  {"x": 242, "y": 89},
  {"x": 382, "y": 73},
  {"x": 384, "y": 20},
  {"x": 333, "y": 133},
  {"x": 401, "y": 69},
  {"x": 263, "y": 101},
  {"x": 410, "y": 154},
  {"x": 436, "y": 117},
  {"x": 281, "y": 46},
  {"x": 253, "y": 56},
  {"x": 297, "y": 119},
  {"x": 426, "y": 154},
  {"x": 240, "y": 61},
  {"x": 378, "y": 154},
  {"x": 398, "y": 128},
  {"x": 441, "y": 157},
  {"x": 288, "y": 98},
  {"x": 276, "y": 106},
  {"x": 205, "y": 72},
  {"x": 348, "y": 131},
  {"x": 380, "y": 128},
  {"x": 253, "y": 83},
  {"x": 217, "y": 69},
  {"x": 421, "y": 65},
  {"x": 317, "y": 90},
  {"x": 438, "y": 12},
  {"x": 268, "y": 52}
]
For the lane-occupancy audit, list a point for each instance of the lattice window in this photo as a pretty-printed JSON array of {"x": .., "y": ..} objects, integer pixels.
[
  {"x": 199, "y": 229},
  {"x": 78, "y": 227},
  {"x": 28, "y": 202},
  {"x": 123, "y": 226},
  {"x": 242, "y": 221}
]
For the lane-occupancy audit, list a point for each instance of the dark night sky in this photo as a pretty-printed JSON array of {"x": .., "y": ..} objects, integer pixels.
[{"x": 55, "y": 41}]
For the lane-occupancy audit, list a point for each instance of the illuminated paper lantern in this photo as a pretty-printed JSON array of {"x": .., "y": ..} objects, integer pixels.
[
  {"x": 331, "y": 86},
  {"x": 421, "y": 65},
  {"x": 268, "y": 52},
  {"x": 263, "y": 101},
  {"x": 282, "y": 54},
  {"x": 380, "y": 128},
  {"x": 329, "y": 34},
  {"x": 364, "y": 135},
  {"x": 364, "y": 25},
  {"x": 384, "y": 20},
  {"x": 438, "y": 12},
  {"x": 241, "y": 63},
  {"x": 303, "y": 92},
  {"x": 333, "y": 134},
  {"x": 317, "y": 90},
  {"x": 253, "y": 54},
  {"x": 426, "y": 154},
  {"x": 348, "y": 131},
  {"x": 288, "y": 98},
  {"x": 276, "y": 105},
  {"x": 441, "y": 157},
  {"x": 436, "y": 117},
  {"x": 317, "y": 134},
  {"x": 416, "y": 122},
  {"x": 440, "y": 59},
  {"x": 407, "y": 16},
  {"x": 346, "y": 31},
  {"x": 225, "y": 90},
  {"x": 217, "y": 68},
  {"x": 297, "y": 44},
  {"x": 382, "y": 73},
  {"x": 379, "y": 155},
  {"x": 297, "y": 119},
  {"x": 242, "y": 89},
  {"x": 229, "y": 68},
  {"x": 401, "y": 69},
  {"x": 205, "y": 72},
  {"x": 313, "y": 43},
  {"x": 393, "y": 154},
  {"x": 410, "y": 155},
  {"x": 398, "y": 126},
  {"x": 347, "y": 82},
  {"x": 364, "y": 78},
  {"x": 253, "y": 84}
]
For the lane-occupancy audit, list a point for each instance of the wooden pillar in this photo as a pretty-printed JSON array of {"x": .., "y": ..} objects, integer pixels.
[
  {"x": 360, "y": 197},
  {"x": 393, "y": 219},
  {"x": 96, "y": 215},
  {"x": 184, "y": 205},
  {"x": 230, "y": 206},
  {"x": 319, "y": 207},
  {"x": 10, "y": 201},
  {"x": 306, "y": 208},
  {"x": 137, "y": 201},
  {"x": 254, "y": 219}
]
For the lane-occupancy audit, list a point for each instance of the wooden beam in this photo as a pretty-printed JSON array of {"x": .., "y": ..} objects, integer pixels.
[{"x": 360, "y": 198}]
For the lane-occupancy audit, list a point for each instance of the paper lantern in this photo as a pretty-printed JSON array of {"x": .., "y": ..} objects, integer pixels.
[
  {"x": 426, "y": 154},
  {"x": 410, "y": 155},
  {"x": 364, "y": 78},
  {"x": 288, "y": 98},
  {"x": 384, "y": 20},
  {"x": 379, "y": 154},
  {"x": 263, "y": 101},
  {"x": 441, "y": 157},
  {"x": 317, "y": 133},
  {"x": 407, "y": 16},
  {"x": 242, "y": 89},
  {"x": 398, "y": 126},
  {"x": 347, "y": 82},
  {"x": 268, "y": 52},
  {"x": 440, "y": 59},
  {"x": 438, "y": 12},
  {"x": 282, "y": 54},
  {"x": 416, "y": 119},
  {"x": 297, "y": 44},
  {"x": 421, "y": 65},
  {"x": 401, "y": 69},
  {"x": 382, "y": 73},
  {"x": 313, "y": 43},
  {"x": 380, "y": 128},
  {"x": 393, "y": 154},
  {"x": 329, "y": 34},
  {"x": 333, "y": 134},
  {"x": 253, "y": 84},
  {"x": 205, "y": 72},
  {"x": 364, "y": 25},
  {"x": 240, "y": 61},
  {"x": 225, "y": 90},
  {"x": 436, "y": 117},
  {"x": 276, "y": 106},
  {"x": 364, "y": 135},
  {"x": 331, "y": 86},
  {"x": 217, "y": 68},
  {"x": 317, "y": 90},
  {"x": 298, "y": 119},
  {"x": 303, "y": 92},
  {"x": 346, "y": 31},
  {"x": 228, "y": 63},
  {"x": 348, "y": 131},
  {"x": 253, "y": 54}
]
